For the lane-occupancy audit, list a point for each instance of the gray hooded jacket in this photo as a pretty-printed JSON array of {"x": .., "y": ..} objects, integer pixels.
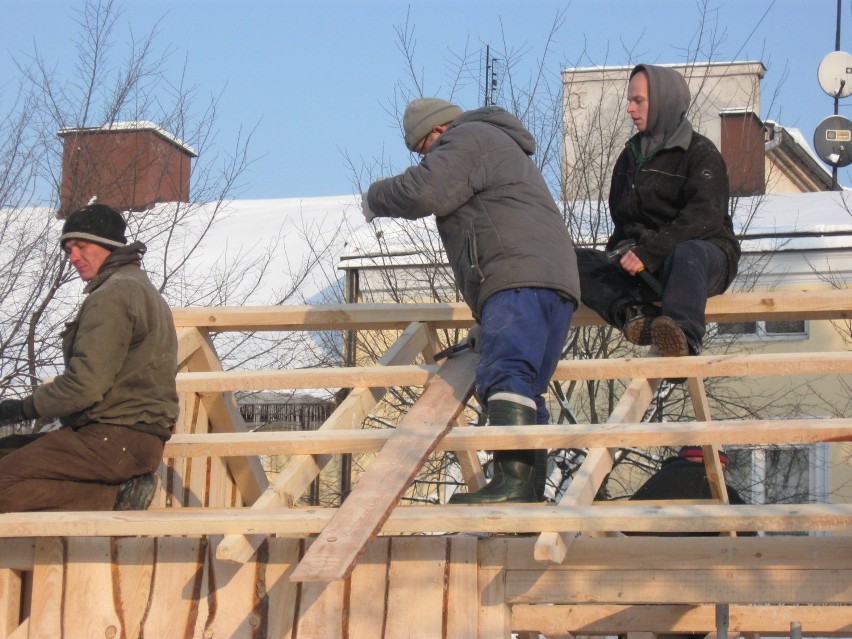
[{"x": 499, "y": 224}]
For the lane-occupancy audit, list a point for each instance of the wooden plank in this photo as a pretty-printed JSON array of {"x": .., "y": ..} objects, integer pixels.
[
  {"x": 87, "y": 604},
  {"x": 189, "y": 340},
  {"x": 299, "y": 472},
  {"x": 134, "y": 566},
  {"x": 322, "y": 317},
  {"x": 552, "y": 545},
  {"x": 469, "y": 464},
  {"x": 510, "y": 518},
  {"x": 640, "y": 435},
  {"x": 321, "y": 610},
  {"x": 686, "y": 553},
  {"x": 468, "y": 460},
  {"x": 700, "y": 586},
  {"x": 281, "y": 592},
  {"x": 494, "y": 618},
  {"x": 730, "y": 307},
  {"x": 730, "y": 365},
  {"x": 195, "y": 482},
  {"x": 618, "y": 619},
  {"x": 224, "y": 416},
  {"x": 48, "y": 585},
  {"x": 17, "y": 554},
  {"x": 416, "y": 587},
  {"x": 231, "y": 591},
  {"x": 180, "y": 566},
  {"x": 368, "y": 592},
  {"x": 361, "y": 516},
  {"x": 462, "y": 588},
  {"x": 10, "y": 601},
  {"x": 21, "y": 632}
]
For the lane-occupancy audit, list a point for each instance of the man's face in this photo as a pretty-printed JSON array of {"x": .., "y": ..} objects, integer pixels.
[
  {"x": 86, "y": 257},
  {"x": 637, "y": 100},
  {"x": 425, "y": 145}
]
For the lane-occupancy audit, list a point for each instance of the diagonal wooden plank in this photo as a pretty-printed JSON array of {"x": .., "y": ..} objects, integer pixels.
[
  {"x": 361, "y": 516},
  {"x": 471, "y": 468},
  {"x": 553, "y": 546},
  {"x": 301, "y": 470}
]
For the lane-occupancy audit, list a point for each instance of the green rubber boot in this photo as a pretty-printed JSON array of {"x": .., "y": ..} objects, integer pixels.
[{"x": 514, "y": 470}]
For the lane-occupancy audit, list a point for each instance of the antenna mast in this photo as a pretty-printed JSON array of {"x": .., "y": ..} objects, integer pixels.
[{"x": 490, "y": 76}]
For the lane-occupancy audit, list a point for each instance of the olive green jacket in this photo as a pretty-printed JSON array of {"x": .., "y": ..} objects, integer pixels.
[{"x": 120, "y": 354}]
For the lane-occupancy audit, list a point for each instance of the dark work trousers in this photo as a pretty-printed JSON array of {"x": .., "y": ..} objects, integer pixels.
[
  {"x": 692, "y": 272},
  {"x": 523, "y": 334},
  {"x": 70, "y": 469}
]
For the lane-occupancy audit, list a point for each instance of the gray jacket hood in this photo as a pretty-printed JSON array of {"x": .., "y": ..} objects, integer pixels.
[{"x": 504, "y": 121}]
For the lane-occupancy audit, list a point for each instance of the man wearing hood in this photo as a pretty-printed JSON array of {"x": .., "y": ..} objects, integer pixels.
[
  {"x": 512, "y": 260},
  {"x": 116, "y": 398},
  {"x": 669, "y": 206}
]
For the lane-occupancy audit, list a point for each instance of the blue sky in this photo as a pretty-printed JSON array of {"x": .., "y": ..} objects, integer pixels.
[{"x": 316, "y": 76}]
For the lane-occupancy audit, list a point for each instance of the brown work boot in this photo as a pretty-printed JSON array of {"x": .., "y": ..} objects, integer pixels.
[
  {"x": 670, "y": 341},
  {"x": 136, "y": 493},
  {"x": 637, "y": 324}
]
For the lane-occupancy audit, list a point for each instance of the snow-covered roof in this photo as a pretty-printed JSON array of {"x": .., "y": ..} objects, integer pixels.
[{"x": 136, "y": 125}]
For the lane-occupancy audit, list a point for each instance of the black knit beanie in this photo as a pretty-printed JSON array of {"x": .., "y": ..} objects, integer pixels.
[{"x": 95, "y": 223}]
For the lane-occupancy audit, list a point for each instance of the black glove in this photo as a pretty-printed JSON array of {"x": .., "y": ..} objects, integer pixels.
[{"x": 11, "y": 411}]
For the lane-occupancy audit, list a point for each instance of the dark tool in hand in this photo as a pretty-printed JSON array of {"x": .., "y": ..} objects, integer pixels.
[
  {"x": 452, "y": 350},
  {"x": 620, "y": 251},
  {"x": 471, "y": 342}
]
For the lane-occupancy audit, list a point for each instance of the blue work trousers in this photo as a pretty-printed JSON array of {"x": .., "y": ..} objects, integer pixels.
[{"x": 523, "y": 333}]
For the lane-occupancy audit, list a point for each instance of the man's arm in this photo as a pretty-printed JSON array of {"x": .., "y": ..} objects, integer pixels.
[{"x": 439, "y": 185}]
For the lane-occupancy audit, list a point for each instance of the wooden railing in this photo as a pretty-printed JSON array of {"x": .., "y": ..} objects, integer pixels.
[{"x": 223, "y": 549}]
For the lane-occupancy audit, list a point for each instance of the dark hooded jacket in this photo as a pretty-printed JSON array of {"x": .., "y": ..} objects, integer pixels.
[
  {"x": 670, "y": 184},
  {"x": 499, "y": 224},
  {"x": 120, "y": 354}
]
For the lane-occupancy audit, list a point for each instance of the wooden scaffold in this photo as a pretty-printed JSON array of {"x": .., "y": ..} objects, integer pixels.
[{"x": 225, "y": 554}]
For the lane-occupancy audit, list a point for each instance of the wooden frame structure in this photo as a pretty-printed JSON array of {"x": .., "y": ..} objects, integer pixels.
[{"x": 224, "y": 554}]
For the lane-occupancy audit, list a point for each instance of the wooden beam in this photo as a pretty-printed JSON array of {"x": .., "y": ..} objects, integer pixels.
[
  {"x": 299, "y": 472},
  {"x": 224, "y": 416},
  {"x": 518, "y": 518},
  {"x": 642, "y": 553},
  {"x": 734, "y": 365},
  {"x": 697, "y": 619},
  {"x": 552, "y": 545},
  {"x": 731, "y": 307},
  {"x": 359, "y": 519},
  {"x": 189, "y": 341},
  {"x": 697, "y": 586},
  {"x": 627, "y": 435}
]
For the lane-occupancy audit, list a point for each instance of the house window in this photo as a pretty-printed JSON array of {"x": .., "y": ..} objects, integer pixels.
[
  {"x": 774, "y": 329},
  {"x": 780, "y": 474}
]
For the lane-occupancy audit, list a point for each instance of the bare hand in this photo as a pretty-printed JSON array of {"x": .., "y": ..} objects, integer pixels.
[{"x": 631, "y": 263}]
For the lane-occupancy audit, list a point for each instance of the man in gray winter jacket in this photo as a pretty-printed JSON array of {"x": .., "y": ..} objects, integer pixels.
[
  {"x": 116, "y": 399},
  {"x": 669, "y": 206},
  {"x": 512, "y": 260}
]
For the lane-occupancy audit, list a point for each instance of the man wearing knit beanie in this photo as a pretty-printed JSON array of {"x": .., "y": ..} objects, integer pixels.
[
  {"x": 116, "y": 399},
  {"x": 512, "y": 260}
]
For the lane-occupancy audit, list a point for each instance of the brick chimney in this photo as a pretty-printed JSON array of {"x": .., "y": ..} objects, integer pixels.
[
  {"x": 742, "y": 147},
  {"x": 126, "y": 165}
]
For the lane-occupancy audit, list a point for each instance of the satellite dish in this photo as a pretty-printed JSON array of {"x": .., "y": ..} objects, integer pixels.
[
  {"x": 833, "y": 141},
  {"x": 835, "y": 74}
]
